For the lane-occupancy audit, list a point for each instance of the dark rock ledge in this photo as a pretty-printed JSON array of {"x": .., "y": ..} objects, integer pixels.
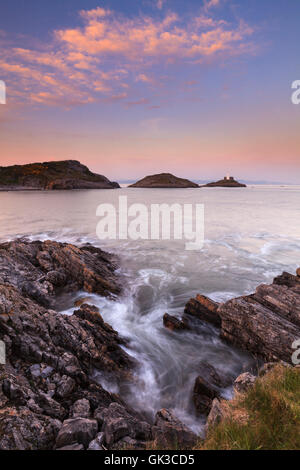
[{"x": 265, "y": 323}]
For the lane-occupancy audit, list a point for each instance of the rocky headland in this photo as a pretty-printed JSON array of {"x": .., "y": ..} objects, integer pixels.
[
  {"x": 164, "y": 180},
  {"x": 60, "y": 175},
  {"x": 50, "y": 397}
]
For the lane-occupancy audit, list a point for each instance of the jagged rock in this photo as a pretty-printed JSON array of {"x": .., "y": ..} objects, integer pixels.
[
  {"x": 50, "y": 357},
  {"x": 21, "y": 429},
  {"x": 289, "y": 280},
  {"x": 170, "y": 433},
  {"x": 203, "y": 395},
  {"x": 114, "y": 429},
  {"x": 205, "y": 309},
  {"x": 50, "y": 407},
  {"x": 46, "y": 372},
  {"x": 26, "y": 265},
  {"x": 65, "y": 387},
  {"x": 265, "y": 323},
  {"x": 98, "y": 442},
  {"x": 243, "y": 382},
  {"x": 215, "y": 415},
  {"x": 173, "y": 323},
  {"x": 209, "y": 373},
  {"x": 250, "y": 325},
  {"x": 118, "y": 423},
  {"x": 81, "y": 301},
  {"x": 68, "y": 174},
  {"x": 77, "y": 430},
  {"x": 80, "y": 409},
  {"x": 298, "y": 272}
]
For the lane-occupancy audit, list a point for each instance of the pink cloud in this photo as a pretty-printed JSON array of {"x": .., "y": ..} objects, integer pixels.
[{"x": 109, "y": 53}]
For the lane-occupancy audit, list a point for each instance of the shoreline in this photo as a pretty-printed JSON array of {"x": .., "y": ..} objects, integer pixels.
[{"x": 59, "y": 360}]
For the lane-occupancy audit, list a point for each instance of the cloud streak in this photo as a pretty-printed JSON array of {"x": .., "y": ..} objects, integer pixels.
[{"x": 104, "y": 57}]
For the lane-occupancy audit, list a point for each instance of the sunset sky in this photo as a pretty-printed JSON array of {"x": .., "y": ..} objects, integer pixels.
[{"x": 135, "y": 87}]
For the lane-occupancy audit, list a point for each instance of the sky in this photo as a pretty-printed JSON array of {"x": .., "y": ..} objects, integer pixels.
[{"x": 198, "y": 88}]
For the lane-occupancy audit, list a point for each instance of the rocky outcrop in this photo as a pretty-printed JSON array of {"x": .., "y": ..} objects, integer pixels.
[
  {"x": 42, "y": 270},
  {"x": 164, "y": 180},
  {"x": 215, "y": 415},
  {"x": 243, "y": 382},
  {"x": 265, "y": 323},
  {"x": 227, "y": 182},
  {"x": 48, "y": 397},
  {"x": 69, "y": 174},
  {"x": 204, "y": 309},
  {"x": 203, "y": 395},
  {"x": 170, "y": 433},
  {"x": 174, "y": 324}
]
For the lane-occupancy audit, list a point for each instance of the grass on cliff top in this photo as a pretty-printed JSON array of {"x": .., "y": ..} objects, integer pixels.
[{"x": 267, "y": 417}]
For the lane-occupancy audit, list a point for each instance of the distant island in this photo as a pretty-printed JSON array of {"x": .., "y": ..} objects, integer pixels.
[
  {"x": 226, "y": 182},
  {"x": 164, "y": 180},
  {"x": 62, "y": 175}
]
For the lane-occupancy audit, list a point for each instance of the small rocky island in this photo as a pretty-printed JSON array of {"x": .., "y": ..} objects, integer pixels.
[
  {"x": 226, "y": 182},
  {"x": 164, "y": 180},
  {"x": 68, "y": 174}
]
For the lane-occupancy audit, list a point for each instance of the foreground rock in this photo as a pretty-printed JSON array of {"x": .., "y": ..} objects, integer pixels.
[
  {"x": 42, "y": 270},
  {"x": 173, "y": 323},
  {"x": 226, "y": 182},
  {"x": 68, "y": 174},
  {"x": 215, "y": 415},
  {"x": 243, "y": 382},
  {"x": 265, "y": 323},
  {"x": 203, "y": 395},
  {"x": 48, "y": 398},
  {"x": 164, "y": 180},
  {"x": 170, "y": 433},
  {"x": 204, "y": 309}
]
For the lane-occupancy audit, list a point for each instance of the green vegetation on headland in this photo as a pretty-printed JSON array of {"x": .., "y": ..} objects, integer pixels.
[{"x": 266, "y": 417}]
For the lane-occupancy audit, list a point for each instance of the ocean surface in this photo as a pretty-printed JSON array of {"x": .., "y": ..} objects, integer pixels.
[{"x": 251, "y": 235}]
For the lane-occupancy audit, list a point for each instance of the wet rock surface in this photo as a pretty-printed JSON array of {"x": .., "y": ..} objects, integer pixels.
[
  {"x": 47, "y": 396},
  {"x": 42, "y": 270},
  {"x": 173, "y": 323},
  {"x": 170, "y": 433},
  {"x": 265, "y": 323},
  {"x": 204, "y": 309},
  {"x": 203, "y": 395}
]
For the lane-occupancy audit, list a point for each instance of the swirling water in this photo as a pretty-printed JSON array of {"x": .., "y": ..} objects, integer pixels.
[{"x": 251, "y": 235}]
